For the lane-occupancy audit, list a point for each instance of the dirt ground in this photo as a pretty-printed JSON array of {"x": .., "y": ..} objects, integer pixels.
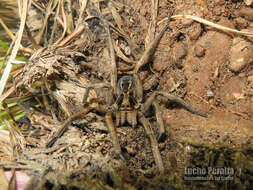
[
  {"x": 193, "y": 62},
  {"x": 210, "y": 69}
]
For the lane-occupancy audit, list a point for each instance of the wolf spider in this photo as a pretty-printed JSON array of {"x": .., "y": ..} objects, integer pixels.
[{"x": 126, "y": 103}]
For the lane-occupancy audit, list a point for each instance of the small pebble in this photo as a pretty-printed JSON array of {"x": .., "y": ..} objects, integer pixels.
[
  {"x": 242, "y": 75},
  {"x": 195, "y": 31},
  {"x": 219, "y": 2},
  {"x": 241, "y": 23},
  {"x": 199, "y": 51},
  {"x": 130, "y": 150},
  {"x": 180, "y": 53},
  {"x": 216, "y": 73},
  {"x": 187, "y": 148},
  {"x": 210, "y": 93},
  {"x": 247, "y": 13},
  {"x": 250, "y": 78},
  {"x": 248, "y": 2},
  {"x": 241, "y": 54},
  {"x": 186, "y": 22}
]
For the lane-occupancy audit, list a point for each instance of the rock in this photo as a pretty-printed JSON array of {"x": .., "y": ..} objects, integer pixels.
[
  {"x": 195, "y": 31},
  {"x": 247, "y": 13},
  {"x": 241, "y": 23},
  {"x": 219, "y": 2},
  {"x": 160, "y": 63},
  {"x": 250, "y": 78},
  {"x": 233, "y": 90},
  {"x": 242, "y": 75},
  {"x": 130, "y": 150},
  {"x": 217, "y": 11},
  {"x": 241, "y": 54},
  {"x": 199, "y": 50},
  {"x": 180, "y": 53},
  {"x": 248, "y": 2},
  {"x": 186, "y": 22},
  {"x": 226, "y": 22},
  {"x": 210, "y": 93}
]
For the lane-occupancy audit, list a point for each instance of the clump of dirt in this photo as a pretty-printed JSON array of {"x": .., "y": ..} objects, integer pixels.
[{"x": 192, "y": 61}]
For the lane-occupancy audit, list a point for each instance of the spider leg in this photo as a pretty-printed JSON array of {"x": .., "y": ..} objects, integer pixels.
[
  {"x": 88, "y": 107},
  {"x": 154, "y": 144},
  {"x": 161, "y": 128},
  {"x": 148, "y": 53},
  {"x": 112, "y": 131},
  {"x": 66, "y": 123},
  {"x": 109, "y": 95},
  {"x": 171, "y": 98},
  {"x": 113, "y": 59}
]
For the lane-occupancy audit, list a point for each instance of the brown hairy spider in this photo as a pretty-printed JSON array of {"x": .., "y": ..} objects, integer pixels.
[{"x": 125, "y": 102}]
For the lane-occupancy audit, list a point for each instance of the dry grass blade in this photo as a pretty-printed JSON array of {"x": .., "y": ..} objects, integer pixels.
[
  {"x": 65, "y": 25},
  {"x": 69, "y": 17},
  {"x": 112, "y": 55},
  {"x": 209, "y": 23},
  {"x": 151, "y": 30},
  {"x": 17, "y": 140},
  {"x": 15, "y": 48},
  {"x": 4, "y": 136},
  {"x": 7, "y": 30},
  {"x": 51, "y": 6},
  {"x": 10, "y": 34},
  {"x": 63, "y": 102},
  {"x": 7, "y": 7},
  {"x": 5, "y": 148},
  {"x": 9, "y": 91},
  {"x": 55, "y": 26},
  {"x": 82, "y": 11},
  {"x": 116, "y": 16},
  {"x": 121, "y": 54},
  {"x": 72, "y": 36}
]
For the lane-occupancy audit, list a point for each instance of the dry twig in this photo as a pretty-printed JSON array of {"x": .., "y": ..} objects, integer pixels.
[
  {"x": 15, "y": 48},
  {"x": 209, "y": 23}
]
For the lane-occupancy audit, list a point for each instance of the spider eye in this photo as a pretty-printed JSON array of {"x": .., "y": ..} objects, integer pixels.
[
  {"x": 121, "y": 85},
  {"x": 125, "y": 85}
]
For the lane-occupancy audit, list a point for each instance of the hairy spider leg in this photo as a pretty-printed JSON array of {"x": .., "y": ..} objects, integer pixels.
[
  {"x": 145, "y": 58},
  {"x": 159, "y": 119},
  {"x": 171, "y": 98},
  {"x": 114, "y": 137},
  {"x": 113, "y": 59},
  {"x": 154, "y": 144},
  {"x": 64, "y": 126}
]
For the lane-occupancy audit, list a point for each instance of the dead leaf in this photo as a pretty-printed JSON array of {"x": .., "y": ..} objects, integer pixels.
[
  {"x": 116, "y": 15},
  {"x": 121, "y": 54}
]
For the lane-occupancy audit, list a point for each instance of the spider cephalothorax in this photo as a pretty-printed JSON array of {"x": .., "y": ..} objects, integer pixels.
[{"x": 126, "y": 103}]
